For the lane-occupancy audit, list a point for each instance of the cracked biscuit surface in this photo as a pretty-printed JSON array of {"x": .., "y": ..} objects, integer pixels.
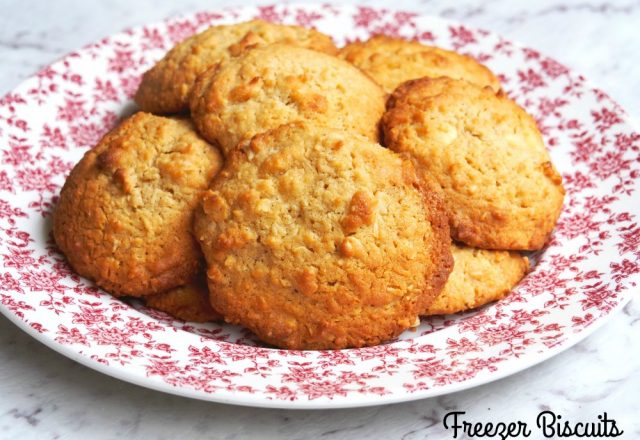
[
  {"x": 277, "y": 84},
  {"x": 392, "y": 61},
  {"x": 320, "y": 239},
  {"x": 125, "y": 213},
  {"x": 479, "y": 276},
  {"x": 486, "y": 155},
  {"x": 166, "y": 87}
]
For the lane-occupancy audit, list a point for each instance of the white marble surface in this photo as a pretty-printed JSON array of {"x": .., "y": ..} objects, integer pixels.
[{"x": 46, "y": 396}]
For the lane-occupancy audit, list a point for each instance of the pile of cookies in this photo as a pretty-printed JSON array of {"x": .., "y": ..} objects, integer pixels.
[{"x": 323, "y": 198}]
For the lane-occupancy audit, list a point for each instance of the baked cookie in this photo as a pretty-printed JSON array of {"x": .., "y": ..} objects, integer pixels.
[
  {"x": 319, "y": 239},
  {"x": 392, "y": 61},
  {"x": 478, "y": 277},
  {"x": 273, "y": 85},
  {"x": 166, "y": 87},
  {"x": 125, "y": 212},
  {"x": 487, "y": 156},
  {"x": 189, "y": 302}
]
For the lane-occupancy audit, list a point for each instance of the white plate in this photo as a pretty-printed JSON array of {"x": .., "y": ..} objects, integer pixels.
[{"x": 581, "y": 279}]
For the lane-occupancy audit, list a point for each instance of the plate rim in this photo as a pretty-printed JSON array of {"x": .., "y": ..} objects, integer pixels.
[{"x": 245, "y": 400}]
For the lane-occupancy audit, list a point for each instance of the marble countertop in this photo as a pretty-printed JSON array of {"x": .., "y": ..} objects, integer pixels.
[{"x": 44, "y": 395}]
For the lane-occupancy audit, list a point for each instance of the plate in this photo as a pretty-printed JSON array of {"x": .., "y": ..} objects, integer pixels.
[{"x": 585, "y": 274}]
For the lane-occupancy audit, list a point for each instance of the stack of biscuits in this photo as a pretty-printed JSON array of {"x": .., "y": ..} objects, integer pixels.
[{"x": 323, "y": 198}]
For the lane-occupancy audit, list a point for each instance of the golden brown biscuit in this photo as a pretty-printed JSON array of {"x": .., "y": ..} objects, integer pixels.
[
  {"x": 126, "y": 210},
  {"x": 478, "y": 277},
  {"x": 166, "y": 87},
  {"x": 319, "y": 239},
  {"x": 487, "y": 156},
  {"x": 189, "y": 302},
  {"x": 392, "y": 61},
  {"x": 277, "y": 84}
]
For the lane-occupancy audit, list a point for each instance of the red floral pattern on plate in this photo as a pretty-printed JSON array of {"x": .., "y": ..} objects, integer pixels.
[{"x": 583, "y": 276}]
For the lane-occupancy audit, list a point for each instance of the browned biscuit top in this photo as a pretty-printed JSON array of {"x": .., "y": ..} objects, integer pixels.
[
  {"x": 166, "y": 87},
  {"x": 487, "y": 156},
  {"x": 392, "y": 61},
  {"x": 479, "y": 277},
  {"x": 319, "y": 239},
  {"x": 125, "y": 212},
  {"x": 277, "y": 84}
]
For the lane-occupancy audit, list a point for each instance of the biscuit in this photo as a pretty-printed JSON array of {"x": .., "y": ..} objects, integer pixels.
[
  {"x": 320, "y": 239},
  {"x": 277, "y": 84},
  {"x": 478, "y": 277},
  {"x": 166, "y": 87},
  {"x": 126, "y": 210},
  {"x": 392, "y": 61},
  {"x": 486, "y": 155},
  {"x": 189, "y": 302}
]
